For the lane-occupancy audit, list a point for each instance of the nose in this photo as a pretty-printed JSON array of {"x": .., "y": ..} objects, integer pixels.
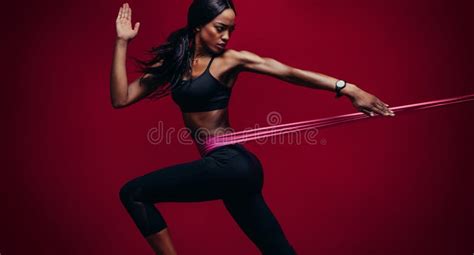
[{"x": 226, "y": 36}]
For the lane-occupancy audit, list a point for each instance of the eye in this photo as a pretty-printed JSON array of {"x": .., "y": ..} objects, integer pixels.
[{"x": 220, "y": 29}]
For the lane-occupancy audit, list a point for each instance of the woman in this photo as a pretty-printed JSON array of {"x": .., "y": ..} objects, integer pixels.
[{"x": 199, "y": 73}]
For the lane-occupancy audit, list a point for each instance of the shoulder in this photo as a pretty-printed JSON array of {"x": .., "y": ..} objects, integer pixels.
[{"x": 238, "y": 58}]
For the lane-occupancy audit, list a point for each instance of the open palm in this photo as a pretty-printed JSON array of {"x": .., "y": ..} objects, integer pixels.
[{"x": 124, "y": 23}]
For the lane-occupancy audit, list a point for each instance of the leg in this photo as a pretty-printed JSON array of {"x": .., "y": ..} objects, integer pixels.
[
  {"x": 257, "y": 221},
  {"x": 198, "y": 180},
  {"x": 161, "y": 242}
]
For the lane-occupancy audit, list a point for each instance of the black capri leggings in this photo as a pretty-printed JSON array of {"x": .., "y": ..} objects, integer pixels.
[{"x": 231, "y": 173}]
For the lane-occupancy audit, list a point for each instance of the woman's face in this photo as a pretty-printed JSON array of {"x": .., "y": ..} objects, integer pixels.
[{"x": 216, "y": 34}]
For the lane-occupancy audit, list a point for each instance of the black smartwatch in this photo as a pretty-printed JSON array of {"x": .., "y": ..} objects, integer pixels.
[{"x": 340, "y": 84}]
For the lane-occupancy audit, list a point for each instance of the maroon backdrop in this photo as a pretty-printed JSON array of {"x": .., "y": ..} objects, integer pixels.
[{"x": 398, "y": 185}]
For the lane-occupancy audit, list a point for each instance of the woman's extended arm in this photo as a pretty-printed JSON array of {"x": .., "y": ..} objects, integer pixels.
[
  {"x": 361, "y": 100},
  {"x": 122, "y": 94}
]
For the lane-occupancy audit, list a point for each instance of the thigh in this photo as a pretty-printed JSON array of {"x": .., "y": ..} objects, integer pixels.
[
  {"x": 224, "y": 172},
  {"x": 185, "y": 182}
]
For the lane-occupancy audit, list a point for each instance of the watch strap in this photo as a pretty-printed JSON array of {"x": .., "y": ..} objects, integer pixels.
[{"x": 338, "y": 89}]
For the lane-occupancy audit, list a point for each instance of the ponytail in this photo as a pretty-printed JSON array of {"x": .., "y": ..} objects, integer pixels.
[{"x": 175, "y": 56}]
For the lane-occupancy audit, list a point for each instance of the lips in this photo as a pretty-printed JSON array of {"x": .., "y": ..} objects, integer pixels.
[{"x": 221, "y": 45}]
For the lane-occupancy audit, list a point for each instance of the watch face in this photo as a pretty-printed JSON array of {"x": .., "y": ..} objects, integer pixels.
[{"x": 340, "y": 83}]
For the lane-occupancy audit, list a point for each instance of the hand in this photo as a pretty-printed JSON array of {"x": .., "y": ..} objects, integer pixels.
[
  {"x": 123, "y": 24},
  {"x": 368, "y": 103}
]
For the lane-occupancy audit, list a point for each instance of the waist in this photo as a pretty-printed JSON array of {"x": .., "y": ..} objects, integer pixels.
[
  {"x": 203, "y": 133},
  {"x": 208, "y": 144}
]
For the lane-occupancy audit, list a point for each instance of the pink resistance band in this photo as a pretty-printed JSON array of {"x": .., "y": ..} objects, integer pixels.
[{"x": 213, "y": 142}]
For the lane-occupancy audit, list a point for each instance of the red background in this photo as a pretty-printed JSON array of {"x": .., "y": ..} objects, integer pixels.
[{"x": 398, "y": 185}]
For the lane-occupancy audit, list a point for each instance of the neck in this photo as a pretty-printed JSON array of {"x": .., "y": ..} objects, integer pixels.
[{"x": 200, "y": 50}]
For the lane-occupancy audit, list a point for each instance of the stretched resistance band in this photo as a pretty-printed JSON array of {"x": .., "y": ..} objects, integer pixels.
[{"x": 247, "y": 135}]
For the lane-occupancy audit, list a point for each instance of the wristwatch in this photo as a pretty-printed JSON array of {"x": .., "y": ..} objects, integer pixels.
[{"x": 340, "y": 84}]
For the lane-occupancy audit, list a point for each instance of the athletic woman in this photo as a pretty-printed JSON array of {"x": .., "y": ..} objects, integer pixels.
[{"x": 195, "y": 67}]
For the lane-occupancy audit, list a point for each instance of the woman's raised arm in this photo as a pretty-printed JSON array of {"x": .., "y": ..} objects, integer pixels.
[{"x": 122, "y": 94}]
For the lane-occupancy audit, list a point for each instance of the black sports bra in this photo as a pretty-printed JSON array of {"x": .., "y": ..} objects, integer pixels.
[{"x": 200, "y": 94}]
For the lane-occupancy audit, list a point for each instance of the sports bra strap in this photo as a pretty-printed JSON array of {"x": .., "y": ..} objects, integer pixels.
[{"x": 208, "y": 65}]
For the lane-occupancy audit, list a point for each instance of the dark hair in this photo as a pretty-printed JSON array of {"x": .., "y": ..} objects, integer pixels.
[{"x": 176, "y": 54}]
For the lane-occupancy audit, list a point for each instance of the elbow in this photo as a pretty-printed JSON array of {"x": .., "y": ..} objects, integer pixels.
[
  {"x": 291, "y": 74},
  {"x": 118, "y": 105}
]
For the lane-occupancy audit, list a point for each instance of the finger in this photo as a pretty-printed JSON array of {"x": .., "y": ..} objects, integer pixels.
[
  {"x": 381, "y": 109},
  {"x": 391, "y": 111},
  {"x": 128, "y": 12},
  {"x": 386, "y": 109},
  {"x": 137, "y": 26},
  {"x": 367, "y": 112},
  {"x": 119, "y": 12},
  {"x": 123, "y": 11},
  {"x": 375, "y": 108}
]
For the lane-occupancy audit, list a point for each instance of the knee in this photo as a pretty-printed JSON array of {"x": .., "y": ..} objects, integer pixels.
[{"x": 129, "y": 192}]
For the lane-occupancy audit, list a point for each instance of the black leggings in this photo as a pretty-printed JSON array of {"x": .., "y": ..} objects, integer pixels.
[{"x": 231, "y": 173}]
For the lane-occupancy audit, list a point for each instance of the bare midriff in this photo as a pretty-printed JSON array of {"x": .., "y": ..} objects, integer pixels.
[{"x": 209, "y": 123}]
